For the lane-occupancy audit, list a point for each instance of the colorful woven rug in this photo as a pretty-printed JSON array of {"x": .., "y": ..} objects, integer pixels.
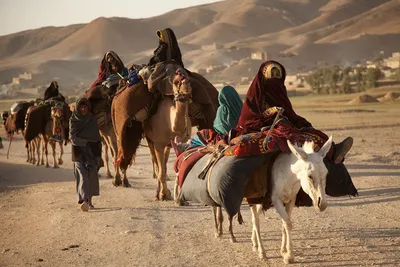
[{"x": 252, "y": 143}]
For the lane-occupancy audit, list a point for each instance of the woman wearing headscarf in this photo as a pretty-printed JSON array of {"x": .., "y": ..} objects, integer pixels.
[
  {"x": 228, "y": 112},
  {"x": 86, "y": 152},
  {"x": 110, "y": 64},
  {"x": 167, "y": 49},
  {"x": 268, "y": 91}
]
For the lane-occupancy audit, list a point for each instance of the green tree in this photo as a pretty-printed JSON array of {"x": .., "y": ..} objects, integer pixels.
[
  {"x": 360, "y": 79},
  {"x": 315, "y": 80},
  {"x": 372, "y": 77},
  {"x": 346, "y": 87}
]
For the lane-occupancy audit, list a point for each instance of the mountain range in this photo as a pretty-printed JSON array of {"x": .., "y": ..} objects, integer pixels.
[{"x": 299, "y": 33}]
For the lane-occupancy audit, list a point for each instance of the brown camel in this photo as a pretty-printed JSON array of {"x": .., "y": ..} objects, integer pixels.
[
  {"x": 171, "y": 119},
  {"x": 40, "y": 122},
  {"x": 15, "y": 122},
  {"x": 130, "y": 109}
]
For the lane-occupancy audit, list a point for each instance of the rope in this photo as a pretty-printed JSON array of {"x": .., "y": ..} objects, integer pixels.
[{"x": 278, "y": 115}]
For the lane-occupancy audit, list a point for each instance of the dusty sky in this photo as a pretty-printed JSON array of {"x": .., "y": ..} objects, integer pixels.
[{"x": 19, "y": 15}]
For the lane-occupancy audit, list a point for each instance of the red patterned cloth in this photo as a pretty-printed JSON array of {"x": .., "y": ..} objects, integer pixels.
[
  {"x": 252, "y": 143},
  {"x": 183, "y": 165}
]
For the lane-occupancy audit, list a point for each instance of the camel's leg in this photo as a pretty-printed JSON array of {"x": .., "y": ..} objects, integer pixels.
[
  {"x": 166, "y": 156},
  {"x": 28, "y": 147},
  {"x": 38, "y": 150},
  {"x": 163, "y": 193},
  {"x": 42, "y": 141},
  {"x": 60, "y": 160},
  {"x": 176, "y": 190},
  {"x": 53, "y": 149},
  {"x": 45, "y": 150},
  {"x": 256, "y": 235},
  {"x": 34, "y": 147},
  {"x": 113, "y": 146},
  {"x": 153, "y": 157},
  {"x": 287, "y": 245},
  {"x": 233, "y": 238},
  {"x": 106, "y": 166}
]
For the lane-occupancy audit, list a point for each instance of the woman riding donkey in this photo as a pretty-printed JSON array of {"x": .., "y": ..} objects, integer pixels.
[{"x": 266, "y": 95}]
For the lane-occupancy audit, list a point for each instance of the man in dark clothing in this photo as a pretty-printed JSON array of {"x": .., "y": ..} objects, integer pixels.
[{"x": 86, "y": 153}]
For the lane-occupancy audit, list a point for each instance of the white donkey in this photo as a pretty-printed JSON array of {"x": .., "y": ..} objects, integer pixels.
[{"x": 303, "y": 168}]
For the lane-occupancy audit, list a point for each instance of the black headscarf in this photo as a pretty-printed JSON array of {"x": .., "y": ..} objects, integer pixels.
[
  {"x": 84, "y": 127},
  {"x": 168, "y": 48}
]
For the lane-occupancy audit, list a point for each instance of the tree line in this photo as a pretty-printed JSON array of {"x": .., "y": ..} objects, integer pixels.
[{"x": 334, "y": 80}]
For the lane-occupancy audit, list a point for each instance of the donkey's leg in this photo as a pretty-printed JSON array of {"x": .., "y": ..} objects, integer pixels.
[
  {"x": 214, "y": 210},
  {"x": 220, "y": 219},
  {"x": 233, "y": 238},
  {"x": 288, "y": 257},
  {"x": 60, "y": 160},
  {"x": 287, "y": 225},
  {"x": 53, "y": 149},
  {"x": 163, "y": 192},
  {"x": 255, "y": 214}
]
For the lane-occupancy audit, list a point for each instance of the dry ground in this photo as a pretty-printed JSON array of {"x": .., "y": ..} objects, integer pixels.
[{"x": 41, "y": 223}]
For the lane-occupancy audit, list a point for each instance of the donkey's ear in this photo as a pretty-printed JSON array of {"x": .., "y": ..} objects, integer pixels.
[
  {"x": 326, "y": 147},
  {"x": 297, "y": 151}
]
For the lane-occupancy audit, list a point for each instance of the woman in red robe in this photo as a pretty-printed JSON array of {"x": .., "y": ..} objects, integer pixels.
[{"x": 267, "y": 91}]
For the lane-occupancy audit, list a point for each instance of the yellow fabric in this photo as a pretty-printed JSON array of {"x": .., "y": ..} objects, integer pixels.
[{"x": 268, "y": 71}]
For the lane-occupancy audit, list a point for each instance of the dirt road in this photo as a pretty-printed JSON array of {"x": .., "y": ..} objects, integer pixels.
[{"x": 41, "y": 223}]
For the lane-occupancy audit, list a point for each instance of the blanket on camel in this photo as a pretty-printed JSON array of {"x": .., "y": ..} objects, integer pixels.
[
  {"x": 127, "y": 102},
  {"x": 253, "y": 143}
]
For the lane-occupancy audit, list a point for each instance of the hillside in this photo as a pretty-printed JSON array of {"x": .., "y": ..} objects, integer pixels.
[{"x": 335, "y": 31}]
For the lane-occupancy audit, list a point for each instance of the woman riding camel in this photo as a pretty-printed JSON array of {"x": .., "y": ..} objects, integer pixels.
[
  {"x": 86, "y": 152},
  {"x": 202, "y": 90},
  {"x": 267, "y": 92},
  {"x": 227, "y": 117},
  {"x": 167, "y": 49},
  {"x": 110, "y": 64}
]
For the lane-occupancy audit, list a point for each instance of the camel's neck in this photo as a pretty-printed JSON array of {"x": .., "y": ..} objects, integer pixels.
[{"x": 181, "y": 117}]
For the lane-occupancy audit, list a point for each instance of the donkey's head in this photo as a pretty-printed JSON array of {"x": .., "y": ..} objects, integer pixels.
[{"x": 312, "y": 172}]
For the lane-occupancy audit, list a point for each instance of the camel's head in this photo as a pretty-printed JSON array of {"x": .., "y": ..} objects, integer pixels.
[
  {"x": 169, "y": 78},
  {"x": 56, "y": 112},
  {"x": 312, "y": 172},
  {"x": 9, "y": 126}
]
